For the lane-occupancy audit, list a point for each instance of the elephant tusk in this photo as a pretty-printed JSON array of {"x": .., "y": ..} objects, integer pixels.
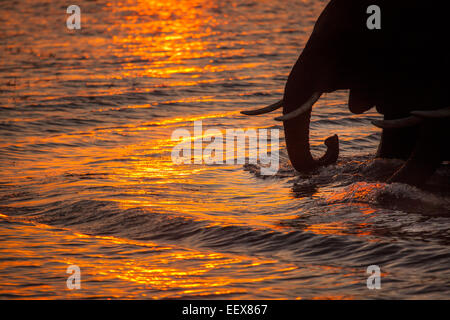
[
  {"x": 440, "y": 113},
  {"x": 397, "y": 123},
  {"x": 304, "y": 108},
  {"x": 267, "y": 109}
]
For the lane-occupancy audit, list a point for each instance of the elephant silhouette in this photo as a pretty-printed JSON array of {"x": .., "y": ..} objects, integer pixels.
[{"x": 400, "y": 67}]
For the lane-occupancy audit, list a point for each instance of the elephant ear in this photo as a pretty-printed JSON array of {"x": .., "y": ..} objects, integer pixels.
[{"x": 360, "y": 100}]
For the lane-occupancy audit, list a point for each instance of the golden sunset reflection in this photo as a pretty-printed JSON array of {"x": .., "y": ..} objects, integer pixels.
[
  {"x": 174, "y": 32},
  {"x": 87, "y": 176},
  {"x": 157, "y": 272},
  {"x": 338, "y": 228}
]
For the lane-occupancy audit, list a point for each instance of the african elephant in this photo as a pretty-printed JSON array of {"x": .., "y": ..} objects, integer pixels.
[{"x": 400, "y": 67}]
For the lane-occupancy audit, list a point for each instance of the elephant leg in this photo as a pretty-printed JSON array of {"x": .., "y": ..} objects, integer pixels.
[
  {"x": 397, "y": 143},
  {"x": 427, "y": 155}
]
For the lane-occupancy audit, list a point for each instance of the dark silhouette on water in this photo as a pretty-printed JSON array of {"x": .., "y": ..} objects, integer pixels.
[{"x": 401, "y": 68}]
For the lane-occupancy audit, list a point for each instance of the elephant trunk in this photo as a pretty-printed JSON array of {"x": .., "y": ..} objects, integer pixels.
[
  {"x": 299, "y": 97},
  {"x": 296, "y": 133}
]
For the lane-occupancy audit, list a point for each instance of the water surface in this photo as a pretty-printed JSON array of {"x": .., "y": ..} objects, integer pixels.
[{"x": 86, "y": 175}]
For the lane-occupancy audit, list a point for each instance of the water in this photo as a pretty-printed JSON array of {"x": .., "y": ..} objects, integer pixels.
[{"x": 86, "y": 177}]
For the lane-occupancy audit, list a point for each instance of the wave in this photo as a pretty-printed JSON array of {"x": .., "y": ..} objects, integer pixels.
[
  {"x": 295, "y": 241},
  {"x": 362, "y": 178}
]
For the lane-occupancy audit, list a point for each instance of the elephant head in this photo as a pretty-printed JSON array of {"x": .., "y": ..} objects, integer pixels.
[{"x": 379, "y": 66}]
